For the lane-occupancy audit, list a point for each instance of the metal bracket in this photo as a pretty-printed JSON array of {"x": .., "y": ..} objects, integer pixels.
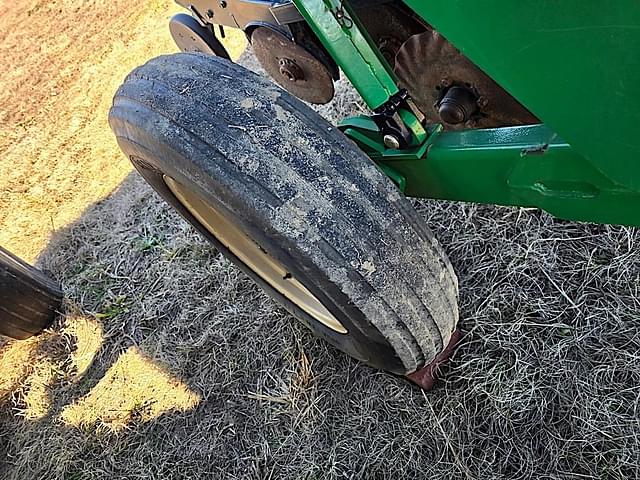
[
  {"x": 198, "y": 16},
  {"x": 395, "y": 133},
  {"x": 338, "y": 28}
]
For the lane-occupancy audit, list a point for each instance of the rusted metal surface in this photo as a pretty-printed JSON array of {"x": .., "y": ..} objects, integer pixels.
[
  {"x": 389, "y": 26},
  {"x": 426, "y": 377},
  {"x": 292, "y": 66},
  {"x": 428, "y": 66}
]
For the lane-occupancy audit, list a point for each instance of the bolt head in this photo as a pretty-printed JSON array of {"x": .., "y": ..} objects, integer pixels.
[
  {"x": 223, "y": 3},
  {"x": 390, "y": 141}
]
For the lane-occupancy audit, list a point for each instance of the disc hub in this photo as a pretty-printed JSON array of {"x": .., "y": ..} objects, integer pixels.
[{"x": 290, "y": 70}]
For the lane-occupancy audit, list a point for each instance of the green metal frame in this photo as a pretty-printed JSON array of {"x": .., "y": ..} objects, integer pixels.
[{"x": 573, "y": 63}]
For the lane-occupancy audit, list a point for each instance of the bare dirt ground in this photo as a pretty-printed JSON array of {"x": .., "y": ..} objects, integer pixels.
[{"x": 169, "y": 363}]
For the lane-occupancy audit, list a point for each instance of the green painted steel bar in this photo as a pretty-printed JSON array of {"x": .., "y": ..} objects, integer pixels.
[
  {"x": 519, "y": 166},
  {"x": 338, "y": 28},
  {"x": 340, "y": 32}
]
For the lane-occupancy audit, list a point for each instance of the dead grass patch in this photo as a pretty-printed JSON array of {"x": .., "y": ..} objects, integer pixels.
[
  {"x": 133, "y": 387},
  {"x": 88, "y": 335},
  {"x": 61, "y": 62},
  {"x": 15, "y": 364}
]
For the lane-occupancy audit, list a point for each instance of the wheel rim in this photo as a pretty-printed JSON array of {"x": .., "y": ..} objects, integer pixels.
[{"x": 252, "y": 255}]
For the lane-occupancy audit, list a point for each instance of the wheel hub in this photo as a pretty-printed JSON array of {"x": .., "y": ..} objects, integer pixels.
[{"x": 449, "y": 88}]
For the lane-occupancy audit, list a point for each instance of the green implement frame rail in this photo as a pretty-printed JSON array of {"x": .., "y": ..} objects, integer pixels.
[{"x": 574, "y": 64}]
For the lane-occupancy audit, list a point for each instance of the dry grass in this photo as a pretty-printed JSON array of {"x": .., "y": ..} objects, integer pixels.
[
  {"x": 57, "y": 67},
  {"x": 15, "y": 364},
  {"x": 88, "y": 335},
  {"x": 133, "y": 389},
  {"x": 172, "y": 364},
  {"x": 61, "y": 61}
]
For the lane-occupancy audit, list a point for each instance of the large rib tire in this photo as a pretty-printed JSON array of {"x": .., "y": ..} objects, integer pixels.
[
  {"x": 29, "y": 300},
  {"x": 301, "y": 191}
]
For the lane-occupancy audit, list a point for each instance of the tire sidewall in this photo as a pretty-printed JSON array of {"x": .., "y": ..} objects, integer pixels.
[{"x": 363, "y": 341}]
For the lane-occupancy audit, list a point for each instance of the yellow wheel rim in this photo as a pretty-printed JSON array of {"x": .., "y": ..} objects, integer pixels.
[{"x": 252, "y": 255}]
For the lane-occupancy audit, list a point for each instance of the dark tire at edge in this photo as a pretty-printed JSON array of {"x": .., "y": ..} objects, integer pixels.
[{"x": 29, "y": 300}]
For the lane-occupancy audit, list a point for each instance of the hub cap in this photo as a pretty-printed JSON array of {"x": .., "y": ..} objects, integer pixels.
[{"x": 252, "y": 255}]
